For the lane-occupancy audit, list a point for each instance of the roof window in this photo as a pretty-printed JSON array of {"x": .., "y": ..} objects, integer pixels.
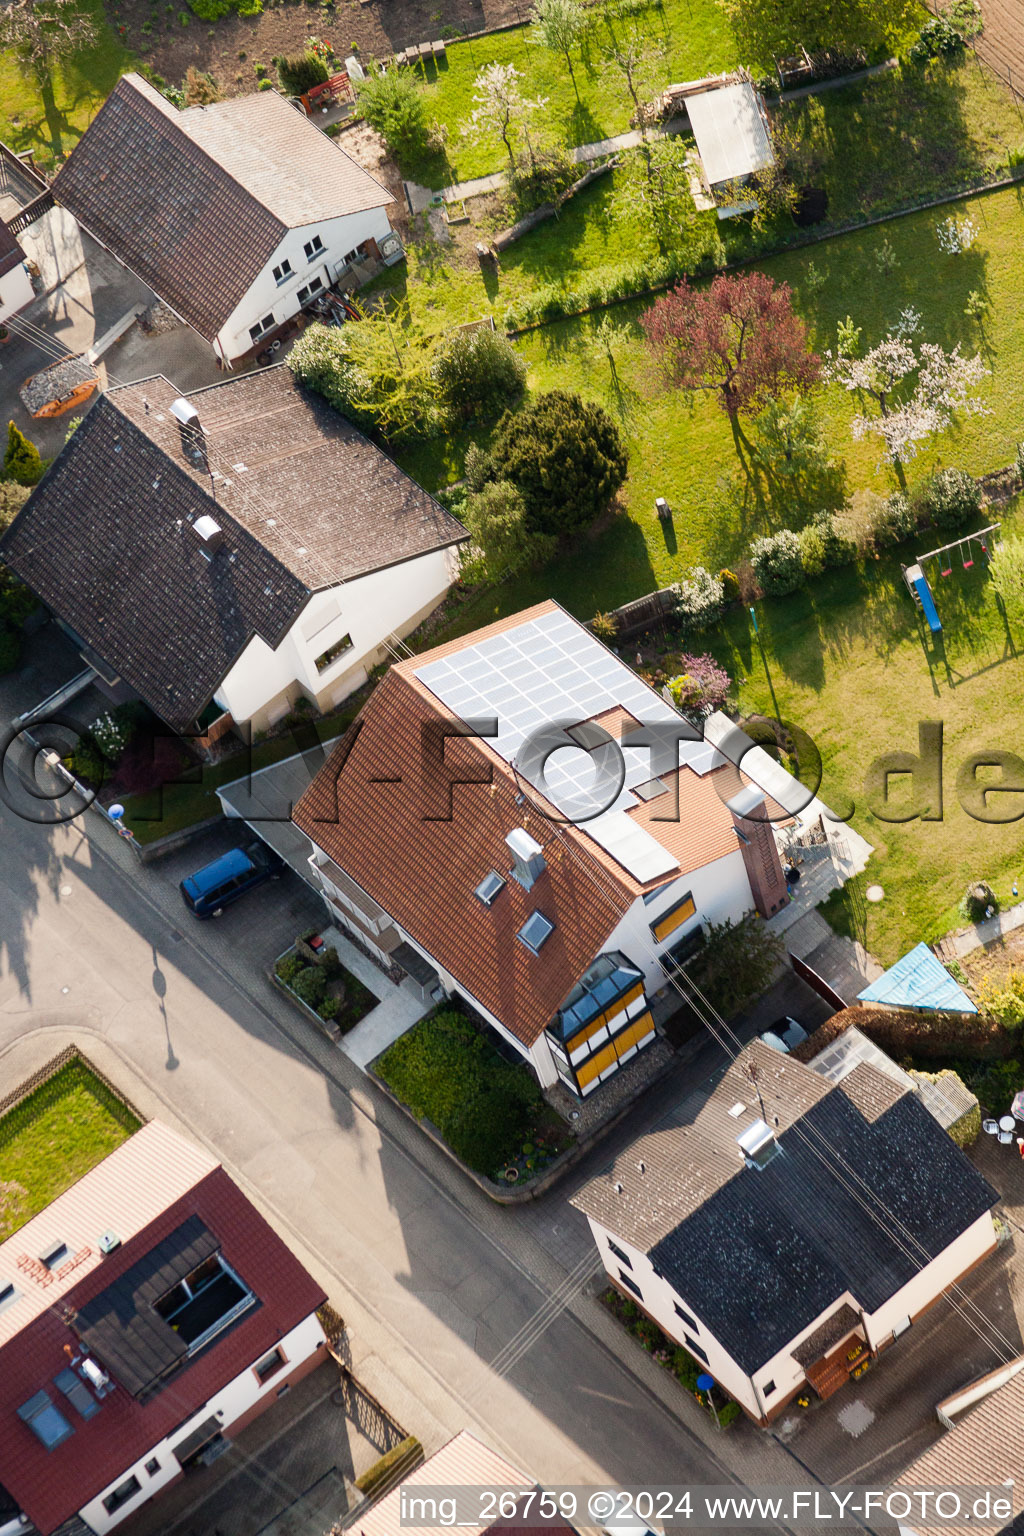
[
  {"x": 45, "y": 1421},
  {"x": 490, "y": 887},
  {"x": 534, "y": 931},
  {"x": 54, "y": 1256}
]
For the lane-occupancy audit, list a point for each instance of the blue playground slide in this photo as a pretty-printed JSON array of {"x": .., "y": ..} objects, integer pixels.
[{"x": 924, "y": 592}]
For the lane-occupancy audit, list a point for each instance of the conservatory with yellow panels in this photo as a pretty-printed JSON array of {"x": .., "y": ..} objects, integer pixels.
[{"x": 603, "y": 1022}]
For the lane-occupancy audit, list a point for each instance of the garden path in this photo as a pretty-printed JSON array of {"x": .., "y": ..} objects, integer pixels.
[{"x": 955, "y": 945}]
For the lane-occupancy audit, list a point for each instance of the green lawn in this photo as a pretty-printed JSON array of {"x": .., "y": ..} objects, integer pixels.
[
  {"x": 689, "y": 38},
  {"x": 683, "y": 448},
  {"x": 46, "y": 115},
  {"x": 903, "y": 137},
  {"x": 851, "y": 665},
  {"x": 53, "y": 1137}
]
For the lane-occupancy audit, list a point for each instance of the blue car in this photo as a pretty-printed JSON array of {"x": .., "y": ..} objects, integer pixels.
[{"x": 217, "y": 885}]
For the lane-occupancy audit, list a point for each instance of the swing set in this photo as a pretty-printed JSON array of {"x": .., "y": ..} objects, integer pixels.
[{"x": 967, "y": 547}]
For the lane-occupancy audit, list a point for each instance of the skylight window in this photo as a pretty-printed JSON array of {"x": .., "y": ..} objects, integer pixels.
[
  {"x": 490, "y": 887},
  {"x": 534, "y": 931},
  {"x": 45, "y": 1421},
  {"x": 54, "y": 1256}
]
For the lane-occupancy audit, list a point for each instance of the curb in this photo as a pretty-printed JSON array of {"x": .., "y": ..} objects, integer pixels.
[{"x": 175, "y": 840}]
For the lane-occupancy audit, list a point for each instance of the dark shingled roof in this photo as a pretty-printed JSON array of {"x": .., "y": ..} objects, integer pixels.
[
  {"x": 759, "y": 1253},
  {"x": 120, "y": 1324},
  {"x": 195, "y": 202},
  {"x": 106, "y": 539}
]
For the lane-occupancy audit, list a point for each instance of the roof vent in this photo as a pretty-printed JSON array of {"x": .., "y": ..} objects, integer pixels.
[
  {"x": 641, "y": 1167},
  {"x": 757, "y": 1144},
  {"x": 617, "y": 1188},
  {"x": 193, "y": 439},
  {"x": 528, "y": 857},
  {"x": 211, "y": 534},
  {"x": 109, "y": 1243}
]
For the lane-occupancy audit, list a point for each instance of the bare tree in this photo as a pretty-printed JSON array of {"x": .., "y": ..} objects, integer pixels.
[
  {"x": 43, "y": 30},
  {"x": 632, "y": 56},
  {"x": 501, "y": 110},
  {"x": 560, "y": 25}
]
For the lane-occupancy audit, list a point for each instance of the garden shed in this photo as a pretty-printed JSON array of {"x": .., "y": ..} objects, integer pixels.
[
  {"x": 918, "y": 980},
  {"x": 731, "y": 130}
]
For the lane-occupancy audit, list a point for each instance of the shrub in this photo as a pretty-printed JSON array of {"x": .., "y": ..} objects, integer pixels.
[
  {"x": 937, "y": 37},
  {"x": 265, "y": 85},
  {"x": 329, "y": 1009},
  {"x": 778, "y": 563},
  {"x": 22, "y": 463},
  {"x": 496, "y": 516},
  {"x": 87, "y": 762},
  {"x": 605, "y": 626},
  {"x": 737, "y": 961},
  {"x": 10, "y": 648},
  {"x": 700, "y": 601},
  {"x": 288, "y": 967},
  {"x": 356, "y": 369},
  {"x": 953, "y": 498},
  {"x": 111, "y": 732},
  {"x": 301, "y": 73},
  {"x": 199, "y": 88},
  {"x": 392, "y": 103},
  {"x": 479, "y": 373},
  {"x": 701, "y": 685},
  {"x": 1020, "y": 460},
  {"x": 330, "y": 964},
  {"x": 728, "y": 1413},
  {"x": 895, "y": 521},
  {"x": 310, "y": 984},
  {"x": 976, "y": 900},
  {"x": 838, "y": 542},
  {"x": 730, "y": 585},
  {"x": 565, "y": 455},
  {"x": 812, "y": 550},
  {"x": 392, "y": 1466}
]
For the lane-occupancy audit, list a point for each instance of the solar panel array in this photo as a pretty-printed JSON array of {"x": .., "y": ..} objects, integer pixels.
[{"x": 549, "y": 672}]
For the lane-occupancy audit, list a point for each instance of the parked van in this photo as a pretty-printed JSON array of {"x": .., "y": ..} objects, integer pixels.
[{"x": 217, "y": 885}]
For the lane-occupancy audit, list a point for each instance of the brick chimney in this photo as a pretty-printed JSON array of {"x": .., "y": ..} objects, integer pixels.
[{"x": 760, "y": 855}]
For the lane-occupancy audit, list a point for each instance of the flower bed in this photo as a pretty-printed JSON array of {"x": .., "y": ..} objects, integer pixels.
[
  {"x": 324, "y": 986},
  {"x": 667, "y": 1353}
]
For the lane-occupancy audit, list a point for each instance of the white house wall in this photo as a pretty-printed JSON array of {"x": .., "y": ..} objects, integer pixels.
[
  {"x": 936, "y": 1277},
  {"x": 15, "y": 291},
  {"x": 229, "y": 1405},
  {"x": 721, "y": 893},
  {"x": 265, "y": 296},
  {"x": 369, "y": 608}
]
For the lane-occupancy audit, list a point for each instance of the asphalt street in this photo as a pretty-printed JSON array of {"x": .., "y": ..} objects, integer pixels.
[{"x": 460, "y": 1312}]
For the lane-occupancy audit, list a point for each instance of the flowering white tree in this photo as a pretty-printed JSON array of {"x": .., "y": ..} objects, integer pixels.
[
  {"x": 917, "y": 392},
  {"x": 955, "y": 235},
  {"x": 501, "y": 109}
]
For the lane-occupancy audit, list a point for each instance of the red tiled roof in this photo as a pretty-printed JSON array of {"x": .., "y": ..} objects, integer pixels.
[
  {"x": 51, "y": 1486},
  {"x": 424, "y": 871}
]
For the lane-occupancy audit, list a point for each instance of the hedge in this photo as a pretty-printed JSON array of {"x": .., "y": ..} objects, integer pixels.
[
  {"x": 391, "y": 1467},
  {"x": 902, "y": 1032}
]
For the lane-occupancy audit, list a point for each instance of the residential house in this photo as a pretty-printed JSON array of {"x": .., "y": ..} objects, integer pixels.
[
  {"x": 225, "y": 554},
  {"x": 15, "y": 284},
  {"x": 462, "y": 1468},
  {"x": 237, "y": 214},
  {"x": 553, "y": 893},
  {"x": 146, "y": 1315},
  {"x": 982, "y": 1448},
  {"x": 738, "y": 1224}
]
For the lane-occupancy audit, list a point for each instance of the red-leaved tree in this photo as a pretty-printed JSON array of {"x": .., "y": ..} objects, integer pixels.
[{"x": 739, "y": 336}]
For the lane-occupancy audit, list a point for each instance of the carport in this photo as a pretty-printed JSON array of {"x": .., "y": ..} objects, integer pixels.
[{"x": 264, "y": 800}]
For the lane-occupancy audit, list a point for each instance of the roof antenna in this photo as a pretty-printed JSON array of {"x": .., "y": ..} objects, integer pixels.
[{"x": 752, "y": 1073}]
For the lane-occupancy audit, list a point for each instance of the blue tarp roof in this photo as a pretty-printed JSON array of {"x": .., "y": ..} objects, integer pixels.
[{"x": 918, "y": 981}]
